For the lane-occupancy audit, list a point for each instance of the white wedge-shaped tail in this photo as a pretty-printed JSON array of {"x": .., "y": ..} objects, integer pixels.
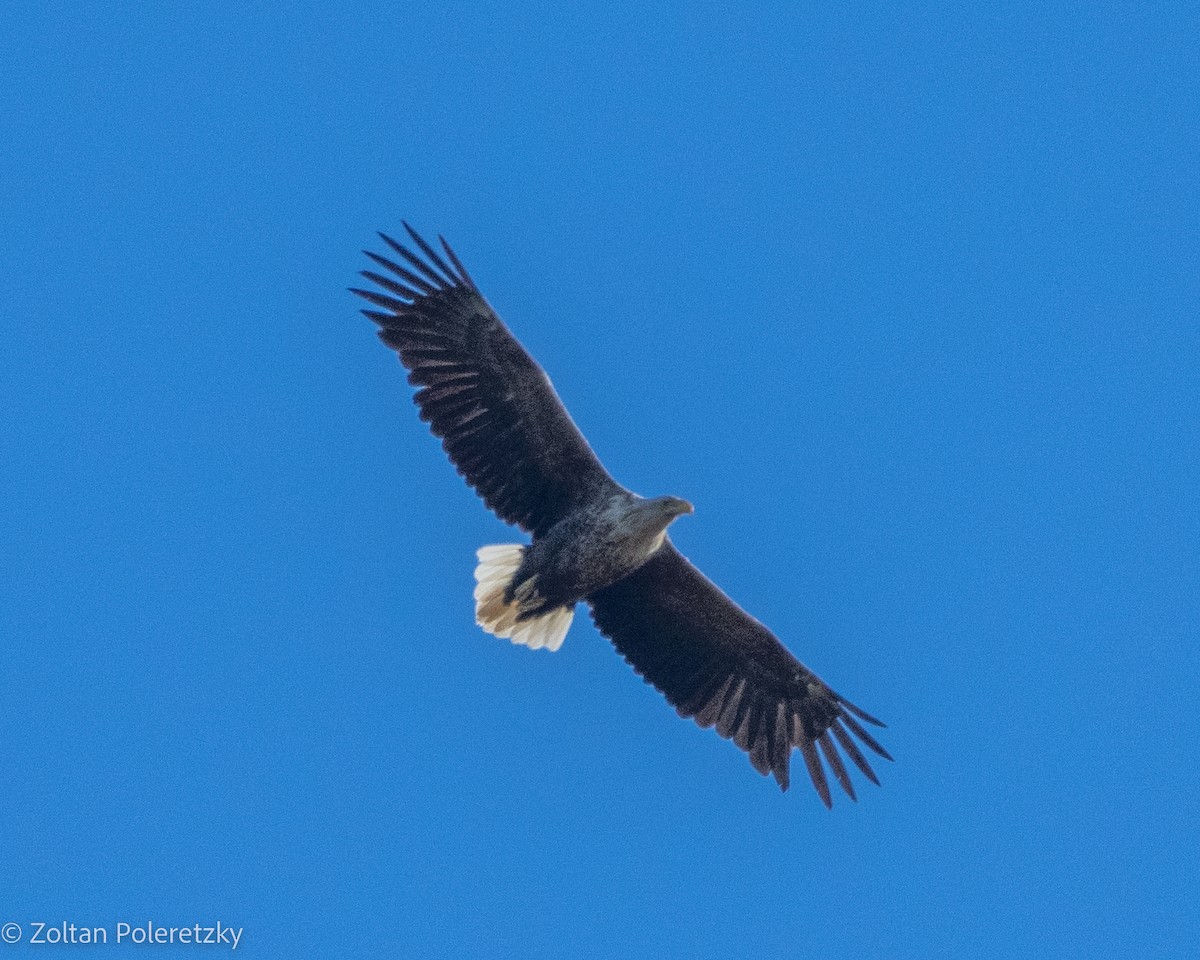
[{"x": 497, "y": 564}]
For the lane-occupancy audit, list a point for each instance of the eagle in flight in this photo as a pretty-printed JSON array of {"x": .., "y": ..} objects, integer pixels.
[{"x": 509, "y": 436}]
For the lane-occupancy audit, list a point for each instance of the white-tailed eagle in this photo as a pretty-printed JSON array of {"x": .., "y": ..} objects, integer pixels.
[{"x": 511, "y": 439}]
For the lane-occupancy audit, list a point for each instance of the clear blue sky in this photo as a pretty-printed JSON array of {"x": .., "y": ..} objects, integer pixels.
[{"x": 904, "y": 300}]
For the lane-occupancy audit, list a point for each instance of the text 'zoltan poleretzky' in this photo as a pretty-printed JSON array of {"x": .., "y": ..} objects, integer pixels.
[{"x": 146, "y": 933}]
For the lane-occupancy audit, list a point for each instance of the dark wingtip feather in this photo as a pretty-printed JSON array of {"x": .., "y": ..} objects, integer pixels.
[
  {"x": 854, "y": 753},
  {"x": 406, "y": 275},
  {"x": 779, "y": 737},
  {"x": 383, "y": 319},
  {"x": 835, "y": 763},
  {"x": 399, "y": 289},
  {"x": 439, "y": 282},
  {"x": 815, "y": 771},
  {"x": 859, "y": 711},
  {"x": 457, "y": 263},
  {"x": 382, "y": 300},
  {"x": 432, "y": 254},
  {"x": 865, "y": 737}
]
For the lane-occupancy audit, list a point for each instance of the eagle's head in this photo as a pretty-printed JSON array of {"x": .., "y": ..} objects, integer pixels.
[
  {"x": 652, "y": 517},
  {"x": 671, "y": 507}
]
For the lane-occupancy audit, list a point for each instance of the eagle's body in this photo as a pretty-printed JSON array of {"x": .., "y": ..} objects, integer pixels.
[
  {"x": 508, "y": 434},
  {"x": 595, "y": 546},
  {"x": 528, "y": 594}
]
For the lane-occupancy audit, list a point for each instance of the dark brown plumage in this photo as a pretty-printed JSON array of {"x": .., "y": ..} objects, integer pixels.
[{"x": 506, "y": 431}]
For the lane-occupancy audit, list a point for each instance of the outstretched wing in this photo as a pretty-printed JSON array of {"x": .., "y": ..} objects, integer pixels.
[
  {"x": 716, "y": 663},
  {"x": 494, "y": 408}
]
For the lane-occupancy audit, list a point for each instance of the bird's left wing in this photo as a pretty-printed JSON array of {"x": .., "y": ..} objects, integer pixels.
[
  {"x": 499, "y": 418},
  {"x": 716, "y": 663}
]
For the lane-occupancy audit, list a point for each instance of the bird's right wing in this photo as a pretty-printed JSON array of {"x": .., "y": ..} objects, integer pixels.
[
  {"x": 494, "y": 408},
  {"x": 716, "y": 663}
]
